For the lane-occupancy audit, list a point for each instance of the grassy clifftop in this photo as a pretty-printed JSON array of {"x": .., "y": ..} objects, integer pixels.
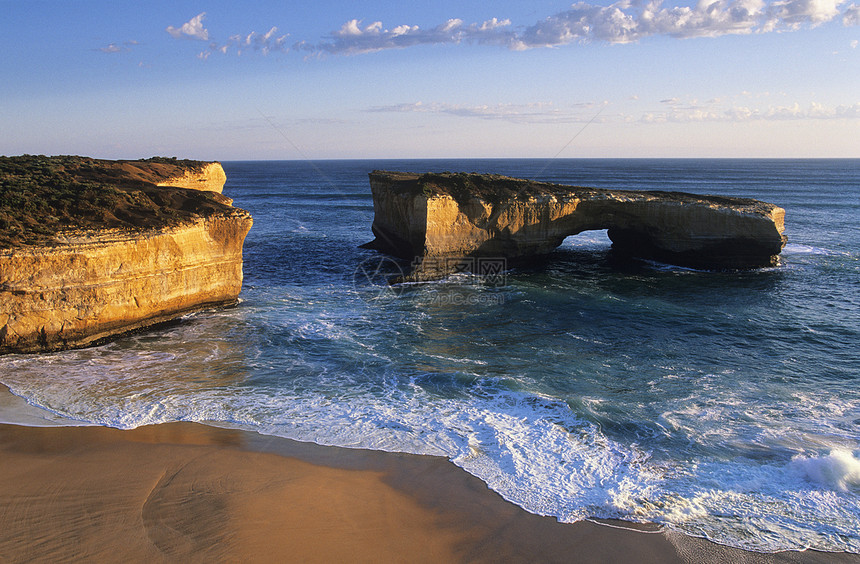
[
  {"x": 41, "y": 197},
  {"x": 496, "y": 188}
]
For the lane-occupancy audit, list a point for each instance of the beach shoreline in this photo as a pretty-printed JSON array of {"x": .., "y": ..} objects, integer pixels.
[{"x": 194, "y": 492}]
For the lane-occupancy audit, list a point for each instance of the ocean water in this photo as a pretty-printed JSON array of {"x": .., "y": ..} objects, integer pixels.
[{"x": 721, "y": 404}]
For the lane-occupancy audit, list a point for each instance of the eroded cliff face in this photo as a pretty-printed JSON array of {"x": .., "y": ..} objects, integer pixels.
[
  {"x": 449, "y": 215},
  {"x": 178, "y": 253},
  {"x": 211, "y": 177},
  {"x": 93, "y": 287}
]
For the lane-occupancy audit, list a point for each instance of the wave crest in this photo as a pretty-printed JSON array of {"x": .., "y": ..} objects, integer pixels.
[{"x": 839, "y": 470}]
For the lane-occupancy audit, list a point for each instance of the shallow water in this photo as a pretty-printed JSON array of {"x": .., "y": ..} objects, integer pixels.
[{"x": 724, "y": 405}]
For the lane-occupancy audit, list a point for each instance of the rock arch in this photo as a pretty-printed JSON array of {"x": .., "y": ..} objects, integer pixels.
[{"x": 475, "y": 215}]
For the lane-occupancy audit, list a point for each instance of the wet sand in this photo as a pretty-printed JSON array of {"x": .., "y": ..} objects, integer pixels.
[{"x": 185, "y": 492}]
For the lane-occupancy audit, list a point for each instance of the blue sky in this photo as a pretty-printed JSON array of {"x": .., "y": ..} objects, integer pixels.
[{"x": 330, "y": 79}]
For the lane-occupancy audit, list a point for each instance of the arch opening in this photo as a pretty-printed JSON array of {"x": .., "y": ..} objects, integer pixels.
[{"x": 591, "y": 240}]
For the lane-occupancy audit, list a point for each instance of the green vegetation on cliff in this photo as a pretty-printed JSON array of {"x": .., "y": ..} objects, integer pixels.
[
  {"x": 41, "y": 197},
  {"x": 489, "y": 187},
  {"x": 494, "y": 188}
]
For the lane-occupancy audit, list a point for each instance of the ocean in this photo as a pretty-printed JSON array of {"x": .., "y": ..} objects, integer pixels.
[{"x": 724, "y": 405}]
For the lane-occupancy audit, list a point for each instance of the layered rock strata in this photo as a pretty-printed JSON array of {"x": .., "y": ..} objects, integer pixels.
[
  {"x": 210, "y": 177},
  {"x": 474, "y": 215},
  {"x": 178, "y": 251}
]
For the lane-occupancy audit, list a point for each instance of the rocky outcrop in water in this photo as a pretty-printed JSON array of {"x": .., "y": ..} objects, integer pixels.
[
  {"x": 96, "y": 248},
  {"x": 477, "y": 215}
]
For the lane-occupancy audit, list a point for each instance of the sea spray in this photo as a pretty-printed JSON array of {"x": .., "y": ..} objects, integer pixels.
[{"x": 838, "y": 470}]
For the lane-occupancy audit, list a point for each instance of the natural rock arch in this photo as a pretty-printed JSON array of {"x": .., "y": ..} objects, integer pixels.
[{"x": 474, "y": 215}]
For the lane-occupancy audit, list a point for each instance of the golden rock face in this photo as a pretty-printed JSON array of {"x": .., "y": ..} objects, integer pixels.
[
  {"x": 94, "y": 285},
  {"x": 212, "y": 178},
  {"x": 472, "y": 215},
  {"x": 72, "y": 295}
]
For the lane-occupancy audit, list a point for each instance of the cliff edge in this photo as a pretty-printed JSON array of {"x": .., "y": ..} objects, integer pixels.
[
  {"x": 91, "y": 248},
  {"x": 481, "y": 215}
]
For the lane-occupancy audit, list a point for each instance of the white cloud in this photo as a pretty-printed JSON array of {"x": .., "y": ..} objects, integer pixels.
[
  {"x": 404, "y": 29},
  {"x": 265, "y": 43},
  {"x": 851, "y": 16},
  {"x": 793, "y": 14},
  {"x": 536, "y": 112},
  {"x": 112, "y": 48},
  {"x": 351, "y": 28},
  {"x": 717, "y": 111},
  {"x": 624, "y": 21},
  {"x": 493, "y": 24},
  {"x": 352, "y": 38},
  {"x": 582, "y": 22},
  {"x": 738, "y": 109},
  {"x": 192, "y": 29},
  {"x": 854, "y": 44}
]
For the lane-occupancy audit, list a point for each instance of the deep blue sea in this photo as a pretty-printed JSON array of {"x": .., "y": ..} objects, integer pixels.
[{"x": 721, "y": 404}]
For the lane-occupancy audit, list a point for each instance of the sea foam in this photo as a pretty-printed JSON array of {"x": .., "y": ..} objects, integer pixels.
[{"x": 839, "y": 470}]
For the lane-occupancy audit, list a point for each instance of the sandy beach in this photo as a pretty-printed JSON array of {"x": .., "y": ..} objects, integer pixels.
[{"x": 185, "y": 492}]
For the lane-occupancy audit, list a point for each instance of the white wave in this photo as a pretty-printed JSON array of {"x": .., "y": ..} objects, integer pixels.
[
  {"x": 458, "y": 360},
  {"x": 587, "y": 240},
  {"x": 15, "y": 410},
  {"x": 838, "y": 470},
  {"x": 800, "y": 249},
  {"x": 532, "y": 449}
]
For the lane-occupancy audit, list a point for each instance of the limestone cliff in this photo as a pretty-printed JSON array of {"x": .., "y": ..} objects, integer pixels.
[
  {"x": 119, "y": 253},
  {"x": 470, "y": 215},
  {"x": 211, "y": 177}
]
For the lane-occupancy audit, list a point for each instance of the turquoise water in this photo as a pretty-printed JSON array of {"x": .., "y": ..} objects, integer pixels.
[{"x": 724, "y": 405}]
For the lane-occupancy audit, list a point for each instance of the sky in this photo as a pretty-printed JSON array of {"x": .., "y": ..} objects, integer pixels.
[{"x": 226, "y": 80}]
